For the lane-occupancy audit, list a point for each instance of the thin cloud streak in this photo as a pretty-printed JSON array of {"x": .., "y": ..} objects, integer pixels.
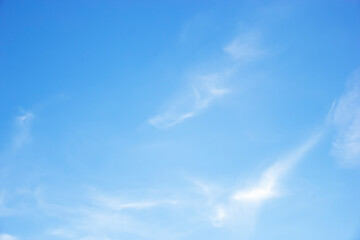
[
  {"x": 5, "y": 210},
  {"x": 205, "y": 91},
  {"x": 270, "y": 178},
  {"x": 23, "y": 126},
  {"x": 4, "y": 236},
  {"x": 345, "y": 116},
  {"x": 208, "y": 88},
  {"x": 245, "y": 47},
  {"x": 246, "y": 202},
  {"x": 109, "y": 217},
  {"x": 116, "y": 204}
]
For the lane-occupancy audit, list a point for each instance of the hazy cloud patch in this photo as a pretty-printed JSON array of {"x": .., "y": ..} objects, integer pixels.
[{"x": 345, "y": 116}]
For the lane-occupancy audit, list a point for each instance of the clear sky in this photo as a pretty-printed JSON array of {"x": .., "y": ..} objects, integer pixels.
[{"x": 179, "y": 120}]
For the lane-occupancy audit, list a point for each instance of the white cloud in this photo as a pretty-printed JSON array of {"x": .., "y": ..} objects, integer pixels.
[
  {"x": 23, "y": 125},
  {"x": 109, "y": 217},
  {"x": 4, "y": 236},
  {"x": 345, "y": 116},
  {"x": 242, "y": 205},
  {"x": 205, "y": 90},
  {"x": 209, "y": 88},
  {"x": 4, "y": 210},
  {"x": 270, "y": 178},
  {"x": 18, "y": 201},
  {"x": 58, "y": 232},
  {"x": 21, "y": 135},
  {"x": 102, "y": 223},
  {"x": 246, "y": 47},
  {"x": 27, "y": 116},
  {"x": 117, "y": 204}
]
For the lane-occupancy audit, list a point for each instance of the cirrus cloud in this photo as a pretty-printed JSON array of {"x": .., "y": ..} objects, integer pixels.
[{"x": 345, "y": 116}]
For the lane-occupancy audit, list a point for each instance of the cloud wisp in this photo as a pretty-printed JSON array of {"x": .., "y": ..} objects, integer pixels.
[
  {"x": 104, "y": 216},
  {"x": 4, "y": 209},
  {"x": 23, "y": 126},
  {"x": 241, "y": 206},
  {"x": 245, "y": 47},
  {"x": 205, "y": 90},
  {"x": 110, "y": 217},
  {"x": 116, "y": 204},
  {"x": 208, "y": 88},
  {"x": 4, "y": 236},
  {"x": 345, "y": 116}
]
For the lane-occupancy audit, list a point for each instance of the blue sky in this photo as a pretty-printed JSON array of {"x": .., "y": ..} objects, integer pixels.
[{"x": 179, "y": 120}]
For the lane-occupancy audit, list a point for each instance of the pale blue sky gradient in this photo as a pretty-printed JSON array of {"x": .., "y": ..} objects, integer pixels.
[{"x": 180, "y": 120}]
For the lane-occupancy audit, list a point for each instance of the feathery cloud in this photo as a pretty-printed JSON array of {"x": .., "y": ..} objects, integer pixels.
[
  {"x": 4, "y": 236},
  {"x": 205, "y": 90},
  {"x": 244, "y": 203},
  {"x": 117, "y": 204},
  {"x": 209, "y": 88},
  {"x": 345, "y": 116},
  {"x": 109, "y": 217},
  {"x": 23, "y": 125},
  {"x": 245, "y": 48}
]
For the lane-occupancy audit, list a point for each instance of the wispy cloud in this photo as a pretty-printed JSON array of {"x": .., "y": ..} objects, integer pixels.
[
  {"x": 241, "y": 206},
  {"x": 245, "y": 47},
  {"x": 117, "y": 204},
  {"x": 17, "y": 202},
  {"x": 345, "y": 116},
  {"x": 204, "y": 91},
  {"x": 266, "y": 188},
  {"x": 208, "y": 88},
  {"x": 4, "y": 210},
  {"x": 109, "y": 217},
  {"x": 23, "y": 126},
  {"x": 4, "y": 236},
  {"x": 60, "y": 233}
]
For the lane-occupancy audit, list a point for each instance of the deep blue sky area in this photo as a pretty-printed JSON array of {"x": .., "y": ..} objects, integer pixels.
[{"x": 179, "y": 120}]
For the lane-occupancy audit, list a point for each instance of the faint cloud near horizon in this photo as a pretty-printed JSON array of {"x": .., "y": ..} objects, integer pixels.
[
  {"x": 116, "y": 204},
  {"x": 345, "y": 116},
  {"x": 4, "y": 236},
  {"x": 109, "y": 217}
]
